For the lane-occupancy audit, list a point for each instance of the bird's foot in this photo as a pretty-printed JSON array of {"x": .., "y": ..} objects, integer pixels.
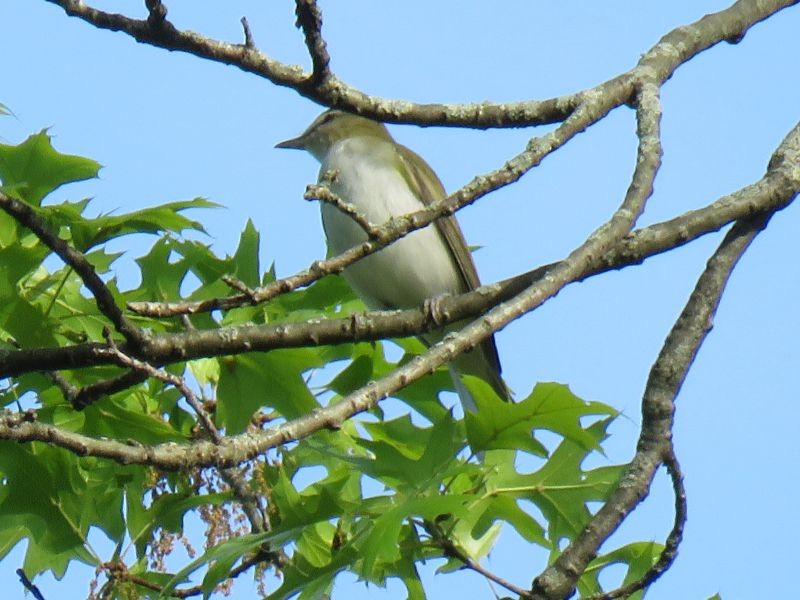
[{"x": 434, "y": 314}]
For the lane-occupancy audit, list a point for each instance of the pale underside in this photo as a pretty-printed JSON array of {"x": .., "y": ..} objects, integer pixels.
[{"x": 413, "y": 269}]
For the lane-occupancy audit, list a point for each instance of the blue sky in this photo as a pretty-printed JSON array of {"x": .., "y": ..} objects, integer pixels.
[{"x": 168, "y": 126}]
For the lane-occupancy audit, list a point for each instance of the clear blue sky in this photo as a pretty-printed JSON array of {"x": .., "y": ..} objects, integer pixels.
[{"x": 169, "y": 126}]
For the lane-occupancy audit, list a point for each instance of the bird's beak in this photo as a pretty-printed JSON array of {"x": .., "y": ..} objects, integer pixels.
[{"x": 298, "y": 143}]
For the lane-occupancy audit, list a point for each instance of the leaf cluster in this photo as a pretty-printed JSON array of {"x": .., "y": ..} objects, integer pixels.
[{"x": 375, "y": 497}]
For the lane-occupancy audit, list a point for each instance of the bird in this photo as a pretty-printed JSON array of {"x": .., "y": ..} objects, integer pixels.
[{"x": 365, "y": 167}]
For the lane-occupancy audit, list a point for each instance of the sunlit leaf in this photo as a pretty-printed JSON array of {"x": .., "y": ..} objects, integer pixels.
[{"x": 33, "y": 169}]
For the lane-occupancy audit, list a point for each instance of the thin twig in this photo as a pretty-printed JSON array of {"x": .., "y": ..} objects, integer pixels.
[
  {"x": 232, "y": 475},
  {"x": 309, "y": 19},
  {"x": 324, "y": 194},
  {"x": 238, "y": 285},
  {"x": 68, "y": 389},
  {"x": 157, "y": 13},
  {"x": 248, "y": 35},
  {"x": 451, "y": 550},
  {"x": 29, "y": 585},
  {"x": 119, "y": 571},
  {"x": 130, "y": 362},
  {"x": 89, "y": 394},
  {"x": 670, "y": 551}
]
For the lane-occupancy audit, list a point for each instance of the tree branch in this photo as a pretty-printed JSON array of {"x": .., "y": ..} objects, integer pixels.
[
  {"x": 776, "y": 190},
  {"x": 27, "y": 216},
  {"x": 90, "y": 393},
  {"x": 587, "y": 108},
  {"x": 672, "y": 50},
  {"x": 451, "y": 550},
  {"x": 658, "y": 408},
  {"x": 119, "y": 571},
  {"x": 674, "y": 538},
  {"x": 233, "y": 476},
  {"x": 24, "y": 428},
  {"x": 309, "y": 19},
  {"x": 579, "y": 262}
]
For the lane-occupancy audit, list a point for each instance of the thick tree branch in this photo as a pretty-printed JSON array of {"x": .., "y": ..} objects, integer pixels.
[
  {"x": 672, "y": 50},
  {"x": 658, "y": 407},
  {"x": 24, "y": 428},
  {"x": 333, "y": 92}
]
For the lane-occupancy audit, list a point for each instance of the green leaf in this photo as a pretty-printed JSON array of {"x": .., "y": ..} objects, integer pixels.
[
  {"x": 250, "y": 382},
  {"x": 89, "y": 232},
  {"x": 50, "y": 508},
  {"x": 312, "y": 582},
  {"x": 316, "y": 543},
  {"x": 17, "y": 259},
  {"x": 336, "y": 495},
  {"x": 204, "y": 370},
  {"x": 246, "y": 256},
  {"x": 504, "y": 425},
  {"x": 474, "y": 548},
  {"x": 122, "y": 418},
  {"x": 389, "y": 463},
  {"x": 407, "y": 571},
  {"x": 504, "y": 508},
  {"x": 561, "y": 489},
  {"x": 329, "y": 292},
  {"x": 638, "y": 557},
  {"x": 355, "y": 375},
  {"x": 27, "y": 323},
  {"x": 33, "y": 169},
  {"x": 162, "y": 277},
  {"x": 554, "y": 407},
  {"x": 381, "y": 544}
]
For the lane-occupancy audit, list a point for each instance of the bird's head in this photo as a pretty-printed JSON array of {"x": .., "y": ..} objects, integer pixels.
[{"x": 331, "y": 127}]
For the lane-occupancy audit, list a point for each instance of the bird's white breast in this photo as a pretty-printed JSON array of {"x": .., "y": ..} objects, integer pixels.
[{"x": 416, "y": 267}]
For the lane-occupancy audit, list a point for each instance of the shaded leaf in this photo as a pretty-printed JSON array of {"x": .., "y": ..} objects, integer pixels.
[{"x": 250, "y": 382}]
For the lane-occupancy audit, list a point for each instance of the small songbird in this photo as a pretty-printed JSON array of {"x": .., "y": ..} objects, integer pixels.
[{"x": 365, "y": 167}]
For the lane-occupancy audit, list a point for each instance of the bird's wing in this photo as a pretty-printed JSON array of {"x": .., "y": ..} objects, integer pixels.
[{"x": 431, "y": 190}]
